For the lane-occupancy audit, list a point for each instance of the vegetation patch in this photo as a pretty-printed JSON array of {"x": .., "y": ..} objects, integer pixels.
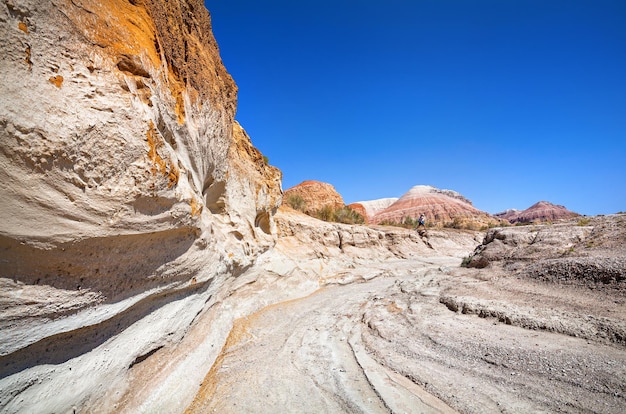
[{"x": 344, "y": 214}]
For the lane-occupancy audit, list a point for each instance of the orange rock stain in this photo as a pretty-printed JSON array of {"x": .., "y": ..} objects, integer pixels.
[
  {"x": 160, "y": 165},
  {"x": 119, "y": 28},
  {"x": 56, "y": 80}
]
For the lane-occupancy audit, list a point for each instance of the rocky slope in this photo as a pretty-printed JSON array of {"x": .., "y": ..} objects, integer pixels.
[
  {"x": 586, "y": 253},
  {"x": 439, "y": 206},
  {"x": 315, "y": 195},
  {"x": 130, "y": 195},
  {"x": 538, "y": 212}
]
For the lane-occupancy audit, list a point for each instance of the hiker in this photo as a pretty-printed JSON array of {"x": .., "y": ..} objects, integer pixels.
[{"x": 421, "y": 221}]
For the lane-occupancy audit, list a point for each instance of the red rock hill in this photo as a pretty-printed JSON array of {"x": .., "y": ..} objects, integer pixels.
[
  {"x": 440, "y": 207},
  {"x": 541, "y": 211},
  {"x": 315, "y": 195}
]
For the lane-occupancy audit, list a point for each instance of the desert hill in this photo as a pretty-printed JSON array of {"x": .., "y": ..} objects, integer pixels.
[
  {"x": 538, "y": 212},
  {"x": 313, "y": 195},
  {"x": 441, "y": 207},
  {"x": 369, "y": 209}
]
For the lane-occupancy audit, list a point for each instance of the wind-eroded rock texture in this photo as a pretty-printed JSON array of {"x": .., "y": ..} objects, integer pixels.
[
  {"x": 128, "y": 191},
  {"x": 143, "y": 268},
  {"x": 399, "y": 326}
]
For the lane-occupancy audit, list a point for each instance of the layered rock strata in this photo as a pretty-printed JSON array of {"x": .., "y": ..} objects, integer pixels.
[
  {"x": 440, "y": 207},
  {"x": 129, "y": 194},
  {"x": 538, "y": 212},
  {"x": 368, "y": 209}
]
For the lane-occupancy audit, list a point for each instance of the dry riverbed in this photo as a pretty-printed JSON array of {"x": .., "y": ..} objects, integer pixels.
[{"x": 424, "y": 336}]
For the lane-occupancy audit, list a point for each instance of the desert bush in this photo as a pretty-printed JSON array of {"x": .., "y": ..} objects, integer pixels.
[
  {"x": 325, "y": 213},
  {"x": 584, "y": 221},
  {"x": 343, "y": 215},
  {"x": 348, "y": 216},
  {"x": 409, "y": 223},
  {"x": 460, "y": 223},
  {"x": 296, "y": 202},
  {"x": 466, "y": 260},
  {"x": 457, "y": 223}
]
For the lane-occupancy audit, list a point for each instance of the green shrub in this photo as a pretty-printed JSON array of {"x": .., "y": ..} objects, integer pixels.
[
  {"x": 296, "y": 202},
  {"x": 348, "y": 216},
  {"x": 325, "y": 213},
  {"x": 339, "y": 215},
  {"x": 584, "y": 221}
]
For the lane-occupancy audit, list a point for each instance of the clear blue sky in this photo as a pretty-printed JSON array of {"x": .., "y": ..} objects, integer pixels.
[{"x": 508, "y": 102}]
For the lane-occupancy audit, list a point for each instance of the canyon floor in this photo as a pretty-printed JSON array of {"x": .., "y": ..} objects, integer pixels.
[
  {"x": 357, "y": 319},
  {"x": 423, "y": 334}
]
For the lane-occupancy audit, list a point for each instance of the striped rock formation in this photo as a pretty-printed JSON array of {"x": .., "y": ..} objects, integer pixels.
[
  {"x": 538, "y": 212},
  {"x": 368, "y": 209},
  {"x": 441, "y": 207}
]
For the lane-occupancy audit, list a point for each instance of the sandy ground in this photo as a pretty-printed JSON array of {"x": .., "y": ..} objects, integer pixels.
[{"x": 425, "y": 336}]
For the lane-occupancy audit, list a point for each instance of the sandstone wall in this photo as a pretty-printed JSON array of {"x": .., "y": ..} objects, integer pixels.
[{"x": 129, "y": 194}]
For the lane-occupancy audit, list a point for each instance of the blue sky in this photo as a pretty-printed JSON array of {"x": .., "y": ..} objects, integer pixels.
[{"x": 508, "y": 102}]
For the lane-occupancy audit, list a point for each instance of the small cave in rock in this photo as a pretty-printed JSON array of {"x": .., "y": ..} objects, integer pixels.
[
  {"x": 262, "y": 221},
  {"x": 214, "y": 193},
  {"x": 132, "y": 64}
]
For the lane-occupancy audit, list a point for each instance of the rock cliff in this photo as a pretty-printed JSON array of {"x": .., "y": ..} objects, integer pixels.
[{"x": 129, "y": 193}]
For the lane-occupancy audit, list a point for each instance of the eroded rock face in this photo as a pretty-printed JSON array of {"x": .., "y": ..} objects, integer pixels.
[
  {"x": 439, "y": 207},
  {"x": 538, "y": 212},
  {"x": 585, "y": 254},
  {"x": 126, "y": 184},
  {"x": 315, "y": 195}
]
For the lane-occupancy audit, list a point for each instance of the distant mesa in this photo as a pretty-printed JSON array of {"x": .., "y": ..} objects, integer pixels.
[
  {"x": 539, "y": 212},
  {"x": 509, "y": 214},
  {"x": 311, "y": 196},
  {"x": 441, "y": 207}
]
